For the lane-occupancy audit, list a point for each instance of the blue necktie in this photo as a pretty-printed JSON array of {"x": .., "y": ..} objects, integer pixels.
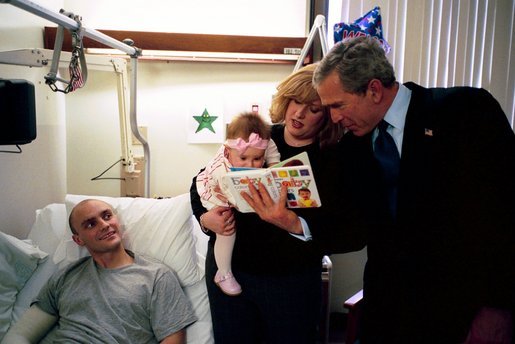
[{"x": 388, "y": 157}]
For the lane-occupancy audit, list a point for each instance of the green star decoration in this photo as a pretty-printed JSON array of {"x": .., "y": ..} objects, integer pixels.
[{"x": 205, "y": 121}]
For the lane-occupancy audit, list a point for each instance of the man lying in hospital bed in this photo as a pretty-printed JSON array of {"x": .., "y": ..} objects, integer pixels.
[
  {"x": 114, "y": 295},
  {"x": 162, "y": 229}
]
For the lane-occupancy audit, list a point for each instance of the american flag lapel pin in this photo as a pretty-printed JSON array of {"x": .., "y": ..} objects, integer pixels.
[{"x": 428, "y": 132}]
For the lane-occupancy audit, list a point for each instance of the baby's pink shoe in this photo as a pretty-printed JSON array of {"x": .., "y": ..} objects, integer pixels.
[{"x": 228, "y": 283}]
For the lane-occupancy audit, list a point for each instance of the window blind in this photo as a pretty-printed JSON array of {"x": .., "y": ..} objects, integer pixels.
[{"x": 443, "y": 43}]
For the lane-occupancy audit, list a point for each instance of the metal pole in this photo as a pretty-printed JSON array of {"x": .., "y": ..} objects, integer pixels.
[
  {"x": 134, "y": 124},
  {"x": 318, "y": 26},
  {"x": 71, "y": 24}
]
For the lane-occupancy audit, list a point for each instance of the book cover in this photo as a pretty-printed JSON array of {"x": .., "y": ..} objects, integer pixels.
[{"x": 295, "y": 173}]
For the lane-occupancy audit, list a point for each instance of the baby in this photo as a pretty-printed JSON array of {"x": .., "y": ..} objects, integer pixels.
[{"x": 247, "y": 144}]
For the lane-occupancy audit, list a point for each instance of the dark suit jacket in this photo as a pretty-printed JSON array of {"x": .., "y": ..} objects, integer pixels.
[{"x": 452, "y": 248}]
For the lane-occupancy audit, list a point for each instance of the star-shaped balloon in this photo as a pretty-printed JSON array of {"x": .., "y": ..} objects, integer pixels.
[
  {"x": 205, "y": 121},
  {"x": 370, "y": 24}
]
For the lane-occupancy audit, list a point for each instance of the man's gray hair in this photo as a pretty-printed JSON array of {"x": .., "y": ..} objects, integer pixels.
[{"x": 357, "y": 61}]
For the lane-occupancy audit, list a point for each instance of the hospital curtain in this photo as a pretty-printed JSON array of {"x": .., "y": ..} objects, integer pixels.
[{"x": 442, "y": 43}]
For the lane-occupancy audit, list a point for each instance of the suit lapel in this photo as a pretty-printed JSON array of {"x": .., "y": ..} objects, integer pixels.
[{"x": 417, "y": 149}]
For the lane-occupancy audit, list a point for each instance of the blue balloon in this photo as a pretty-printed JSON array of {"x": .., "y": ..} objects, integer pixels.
[{"x": 370, "y": 24}]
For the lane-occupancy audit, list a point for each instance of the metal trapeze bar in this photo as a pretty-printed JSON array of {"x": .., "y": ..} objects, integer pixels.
[{"x": 70, "y": 24}]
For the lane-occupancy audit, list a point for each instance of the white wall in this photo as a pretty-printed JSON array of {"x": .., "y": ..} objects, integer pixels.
[
  {"x": 30, "y": 180},
  {"x": 166, "y": 92},
  {"x": 286, "y": 18}
]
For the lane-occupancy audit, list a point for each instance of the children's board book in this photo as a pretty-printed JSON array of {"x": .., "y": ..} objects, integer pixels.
[{"x": 295, "y": 173}]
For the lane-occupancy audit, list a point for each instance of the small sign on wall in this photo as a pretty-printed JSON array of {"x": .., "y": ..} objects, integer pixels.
[{"x": 206, "y": 123}]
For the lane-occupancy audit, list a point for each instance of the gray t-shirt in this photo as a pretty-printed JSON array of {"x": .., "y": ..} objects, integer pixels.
[{"x": 139, "y": 303}]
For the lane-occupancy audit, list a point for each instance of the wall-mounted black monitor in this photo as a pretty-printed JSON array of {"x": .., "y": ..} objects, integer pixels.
[{"x": 17, "y": 112}]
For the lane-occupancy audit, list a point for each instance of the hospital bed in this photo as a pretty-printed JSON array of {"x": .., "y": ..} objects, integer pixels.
[{"x": 161, "y": 228}]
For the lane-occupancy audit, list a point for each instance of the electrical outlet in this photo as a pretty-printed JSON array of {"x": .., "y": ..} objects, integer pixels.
[{"x": 133, "y": 183}]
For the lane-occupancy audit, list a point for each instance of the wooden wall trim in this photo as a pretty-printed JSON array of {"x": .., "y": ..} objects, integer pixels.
[{"x": 186, "y": 41}]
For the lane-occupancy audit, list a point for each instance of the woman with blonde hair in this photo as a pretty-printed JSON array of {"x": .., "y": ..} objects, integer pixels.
[{"x": 279, "y": 271}]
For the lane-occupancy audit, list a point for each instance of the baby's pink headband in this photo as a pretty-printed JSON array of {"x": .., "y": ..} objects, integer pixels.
[{"x": 255, "y": 141}]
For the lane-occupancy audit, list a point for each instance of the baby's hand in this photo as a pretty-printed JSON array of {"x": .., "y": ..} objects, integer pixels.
[{"x": 219, "y": 195}]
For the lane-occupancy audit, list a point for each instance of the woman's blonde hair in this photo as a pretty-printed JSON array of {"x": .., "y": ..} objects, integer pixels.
[
  {"x": 246, "y": 123},
  {"x": 299, "y": 86}
]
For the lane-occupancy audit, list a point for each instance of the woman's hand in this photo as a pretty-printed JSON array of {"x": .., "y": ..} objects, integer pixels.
[
  {"x": 269, "y": 211},
  {"x": 219, "y": 220}
]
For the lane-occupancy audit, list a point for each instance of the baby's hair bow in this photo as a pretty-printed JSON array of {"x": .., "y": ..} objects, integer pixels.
[{"x": 255, "y": 141}]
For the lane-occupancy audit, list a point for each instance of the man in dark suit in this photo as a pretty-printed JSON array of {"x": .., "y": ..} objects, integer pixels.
[{"x": 441, "y": 261}]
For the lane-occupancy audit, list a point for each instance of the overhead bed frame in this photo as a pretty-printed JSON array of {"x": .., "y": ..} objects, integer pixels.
[{"x": 41, "y": 57}]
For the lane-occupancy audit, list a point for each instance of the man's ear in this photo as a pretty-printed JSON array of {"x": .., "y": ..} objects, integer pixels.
[
  {"x": 375, "y": 89},
  {"x": 77, "y": 240}
]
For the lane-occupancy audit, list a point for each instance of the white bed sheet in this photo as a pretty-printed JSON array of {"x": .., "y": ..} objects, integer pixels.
[{"x": 19, "y": 259}]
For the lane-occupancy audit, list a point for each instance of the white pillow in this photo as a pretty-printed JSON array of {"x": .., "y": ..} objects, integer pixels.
[
  {"x": 46, "y": 233},
  {"x": 159, "y": 228},
  {"x": 18, "y": 260},
  {"x": 50, "y": 225}
]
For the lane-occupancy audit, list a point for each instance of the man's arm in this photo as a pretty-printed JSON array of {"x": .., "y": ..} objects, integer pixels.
[
  {"x": 175, "y": 338},
  {"x": 31, "y": 328},
  {"x": 171, "y": 311}
]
